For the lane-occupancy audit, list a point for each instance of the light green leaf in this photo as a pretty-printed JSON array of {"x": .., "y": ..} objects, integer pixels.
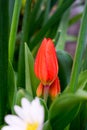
[
  {"x": 20, "y": 94},
  {"x": 47, "y": 126},
  {"x": 79, "y": 52},
  {"x": 13, "y": 30},
  {"x": 30, "y": 78},
  {"x": 63, "y": 27},
  {"x": 24, "y": 38},
  {"x": 82, "y": 80}
]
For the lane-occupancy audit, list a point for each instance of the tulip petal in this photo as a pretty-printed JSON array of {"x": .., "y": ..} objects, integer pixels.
[
  {"x": 39, "y": 91},
  {"x": 46, "y": 65},
  {"x": 54, "y": 88}
]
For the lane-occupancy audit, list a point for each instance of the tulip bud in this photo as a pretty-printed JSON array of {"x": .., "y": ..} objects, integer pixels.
[
  {"x": 46, "y": 69},
  {"x": 46, "y": 65}
]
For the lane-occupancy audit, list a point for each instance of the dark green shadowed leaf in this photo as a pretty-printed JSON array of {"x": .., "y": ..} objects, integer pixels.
[
  {"x": 30, "y": 78},
  {"x": 63, "y": 110},
  {"x": 54, "y": 19},
  {"x": 65, "y": 65},
  {"x": 11, "y": 7},
  {"x": 4, "y": 34}
]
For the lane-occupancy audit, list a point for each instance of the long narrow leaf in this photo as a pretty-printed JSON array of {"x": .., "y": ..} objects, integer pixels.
[
  {"x": 55, "y": 18},
  {"x": 4, "y": 33},
  {"x": 30, "y": 78},
  {"x": 79, "y": 52},
  {"x": 21, "y": 64},
  {"x": 14, "y": 26},
  {"x": 11, "y": 7},
  {"x": 63, "y": 27}
]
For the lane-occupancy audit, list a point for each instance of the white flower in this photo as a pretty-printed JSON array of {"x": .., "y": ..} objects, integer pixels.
[{"x": 30, "y": 116}]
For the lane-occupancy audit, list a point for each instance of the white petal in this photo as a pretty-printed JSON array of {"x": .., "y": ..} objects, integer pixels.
[
  {"x": 6, "y": 128},
  {"x": 19, "y": 112},
  {"x": 12, "y": 128},
  {"x": 14, "y": 121},
  {"x": 37, "y": 111},
  {"x": 23, "y": 114},
  {"x": 25, "y": 103}
]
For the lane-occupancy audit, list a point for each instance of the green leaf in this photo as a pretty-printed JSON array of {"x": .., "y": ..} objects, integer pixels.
[
  {"x": 82, "y": 80},
  {"x": 4, "y": 34},
  {"x": 65, "y": 65},
  {"x": 34, "y": 16},
  {"x": 63, "y": 110},
  {"x": 75, "y": 19},
  {"x": 45, "y": 109},
  {"x": 30, "y": 78},
  {"x": 24, "y": 36},
  {"x": 11, "y": 7},
  {"x": 13, "y": 30},
  {"x": 80, "y": 121},
  {"x": 11, "y": 86},
  {"x": 20, "y": 94},
  {"x": 56, "y": 17},
  {"x": 63, "y": 27},
  {"x": 79, "y": 52},
  {"x": 84, "y": 62},
  {"x": 47, "y": 126},
  {"x": 47, "y": 11}
]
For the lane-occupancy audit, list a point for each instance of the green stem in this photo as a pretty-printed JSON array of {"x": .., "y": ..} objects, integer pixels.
[
  {"x": 46, "y": 91},
  {"x": 79, "y": 51},
  {"x": 13, "y": 30}
]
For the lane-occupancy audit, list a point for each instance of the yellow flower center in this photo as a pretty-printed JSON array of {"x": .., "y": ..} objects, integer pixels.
[{"x": 33, "y": 126}]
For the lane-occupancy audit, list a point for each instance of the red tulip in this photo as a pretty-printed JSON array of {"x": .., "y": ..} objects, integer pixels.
[
  {"x": 46, "y": 65},
  {"x": 46, "y": 69}
]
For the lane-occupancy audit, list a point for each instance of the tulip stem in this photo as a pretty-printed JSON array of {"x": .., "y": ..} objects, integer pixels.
[{"x": 46, "y": 91}]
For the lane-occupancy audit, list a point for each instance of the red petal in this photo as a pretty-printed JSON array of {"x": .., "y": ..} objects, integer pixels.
[
  {"x": 54, "y": 88},
  {"x": 39, "y": 91},
  {"x": 46, "y": 65}
]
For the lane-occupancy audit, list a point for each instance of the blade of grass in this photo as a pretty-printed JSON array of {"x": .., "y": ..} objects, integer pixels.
[
  {"x": 4, "y": 34},
  {"x": 55, "y": 18},
  {"x": 13, "y": 31},
  {"x": 79, "y": 51}
]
